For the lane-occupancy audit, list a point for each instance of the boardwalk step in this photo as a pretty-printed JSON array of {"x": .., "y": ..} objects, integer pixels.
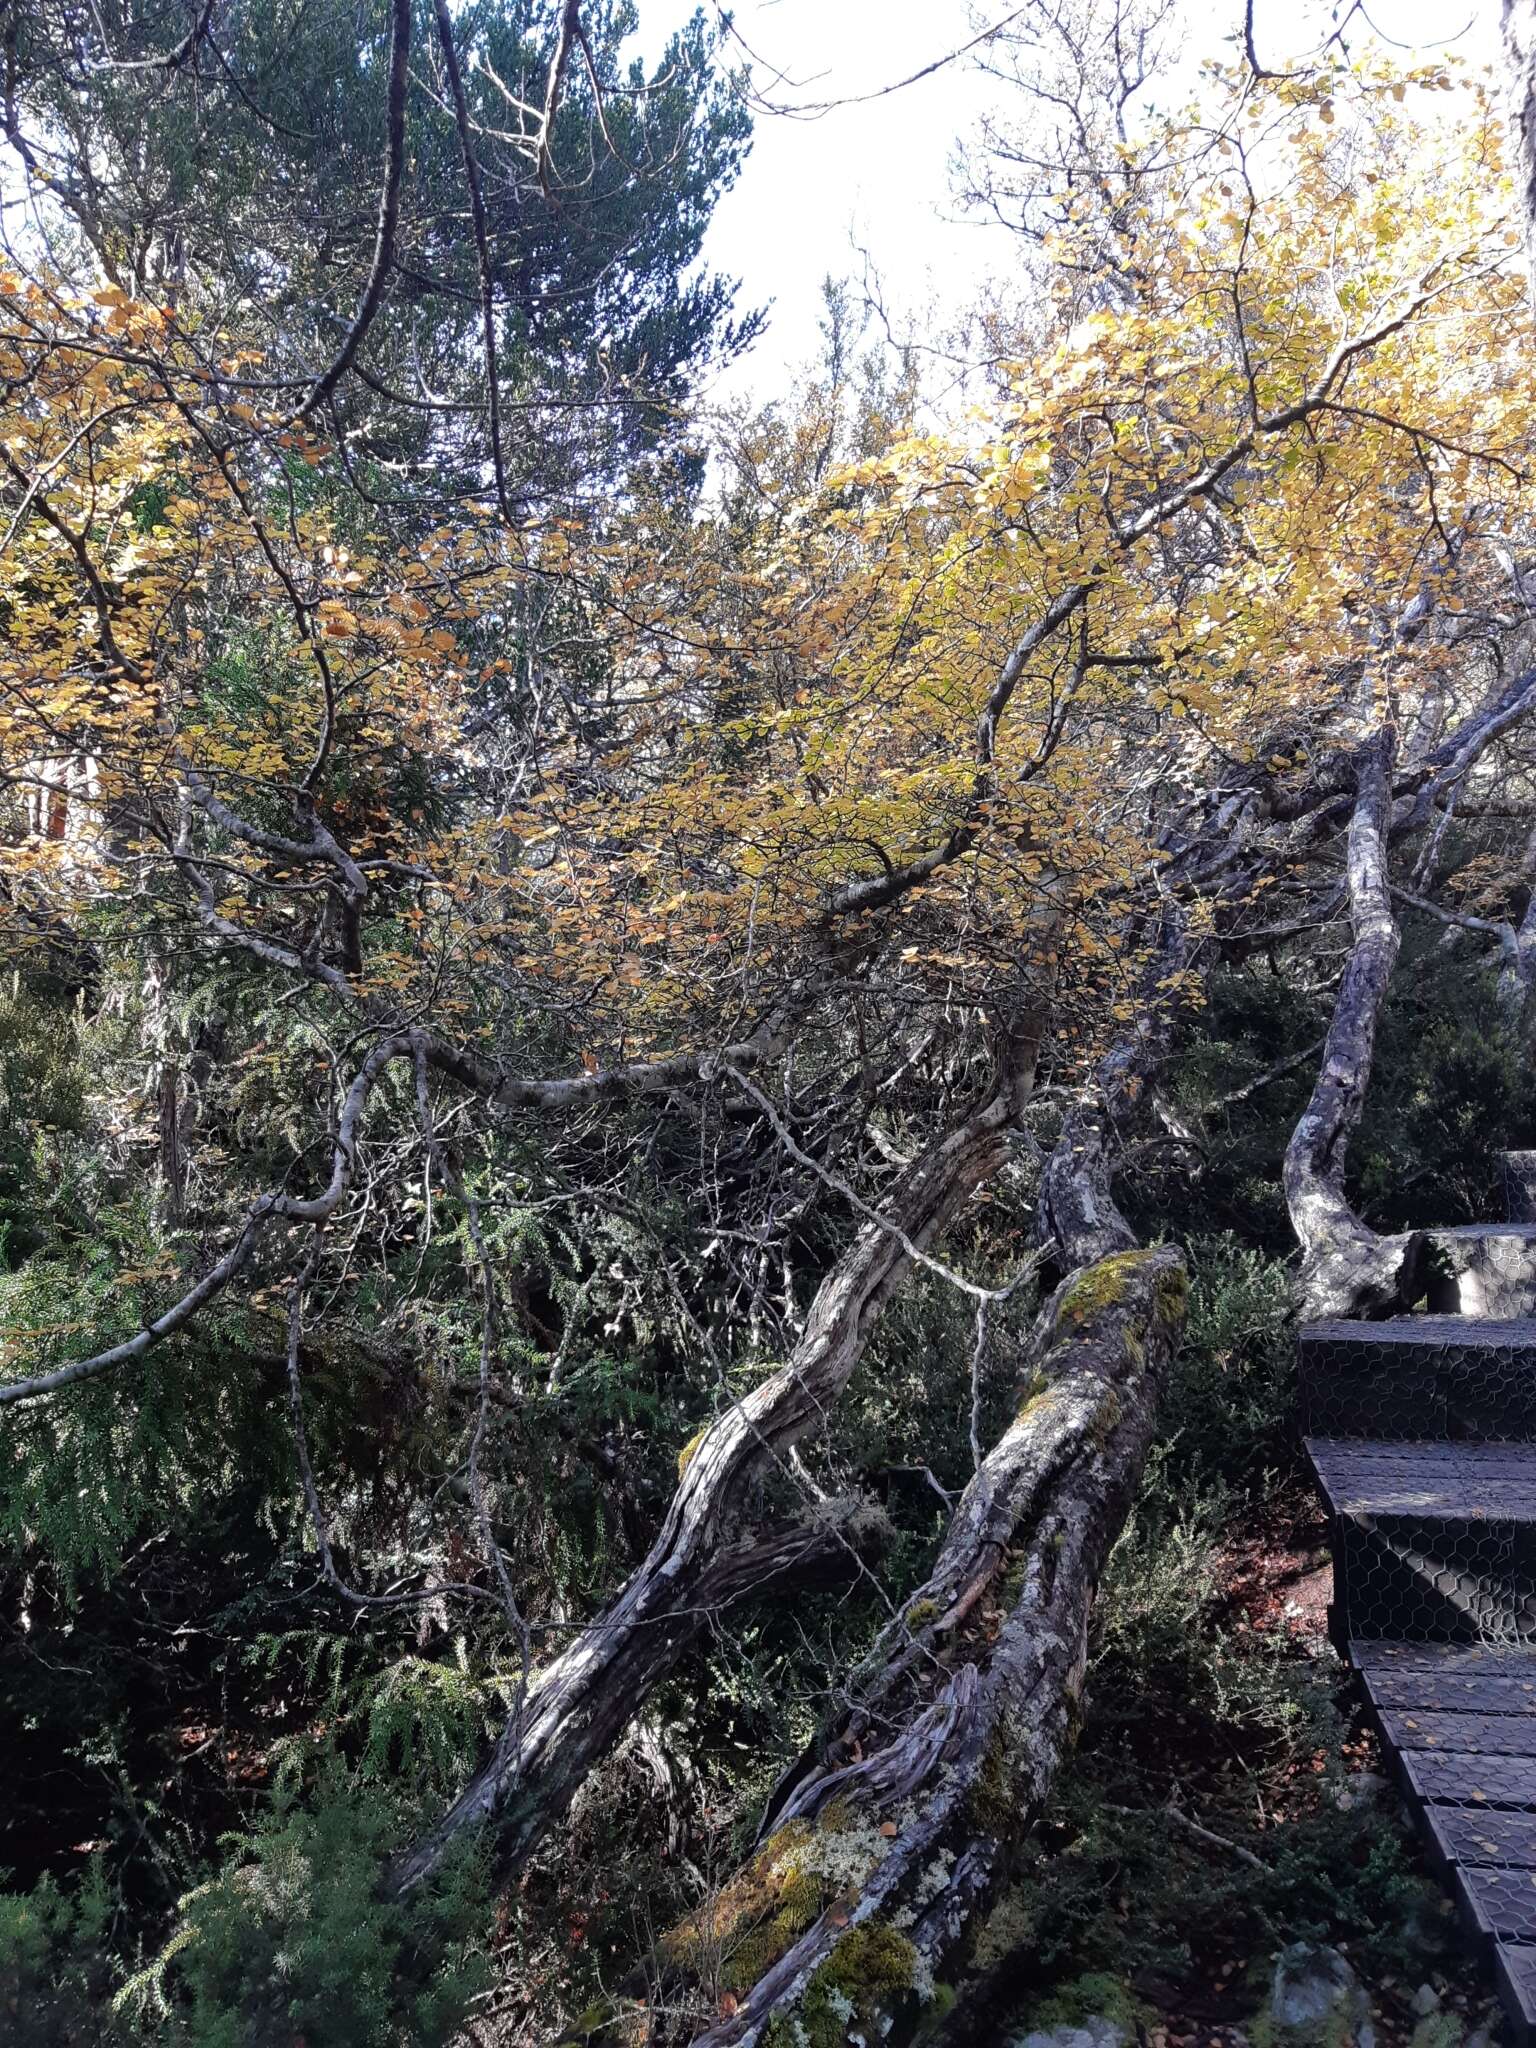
[
  {"x": 1488, "y": 1783},
  {"x": 1488, "y": 1270},
  {"x": 1471, "y": 1835},
  {"x": 1515, "y": 1968},
  {"x": 1468, "y": 1734},
  {"x": 1481, "y": 1836},
  {"x": 1375, "y": 1658},
  {"x": 1498, "y": 1905},
  {"x": 1433, "y": 1542},
  {"x": 1411, "y": 1377},
  {"x": 1477, "y": 1679}
]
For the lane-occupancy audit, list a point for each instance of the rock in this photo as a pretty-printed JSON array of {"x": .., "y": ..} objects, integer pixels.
[
  {"x": 1425, "y": 2001},
  {"x": 1098, "y": 2032},
  {"x": 1317, "y": 1995},
  {"x": 1361, "y": 1788}
]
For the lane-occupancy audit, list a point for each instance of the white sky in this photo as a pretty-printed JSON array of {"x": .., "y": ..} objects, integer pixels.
[{"x": 878, "y": 175}]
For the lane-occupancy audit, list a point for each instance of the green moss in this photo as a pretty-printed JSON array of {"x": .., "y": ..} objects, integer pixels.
[
  {"x": 870, "y": 1964},
  {"x": 994, "y": 1802},
  {"x": 1102, "y": 1286},
  {"x": 1034, "y": 1389},
  {"x": 1172, "y": 1294},
  {"x": 686, "y": 1454},
  {"x": 1010, "y": 1586},
  {"x": 938, "y": 2009},
  {"x": 746, "y": 1927},
  {"x": 1107, "y": 1421},
  {"x": 920, "y": 1613},
  {"x": 836, "y": 1817}
]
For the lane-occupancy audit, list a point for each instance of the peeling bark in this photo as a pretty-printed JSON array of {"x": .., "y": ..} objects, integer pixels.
[
  {"x": 882, "y": 1850},
  {"x": 1347, "y": 1269}
]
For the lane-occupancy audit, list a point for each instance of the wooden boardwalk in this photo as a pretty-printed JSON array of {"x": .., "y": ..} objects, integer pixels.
[{"x": 1422, "y": 1433}]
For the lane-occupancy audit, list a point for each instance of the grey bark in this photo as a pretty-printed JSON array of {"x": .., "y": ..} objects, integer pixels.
[
  {"x": 1078, "y": 1213},
  {"x": 882, "y": 1851},
  {"x": 1347, "y": 1269}
]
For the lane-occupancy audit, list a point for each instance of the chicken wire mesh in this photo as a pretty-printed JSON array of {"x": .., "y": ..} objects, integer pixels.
[
  {"x": 1447, "y": 1378},
  {"x": 1422, "y": 1432},
  {"x": 1432, "y": 1542},
  {"x": 1519, "y": 1172}
]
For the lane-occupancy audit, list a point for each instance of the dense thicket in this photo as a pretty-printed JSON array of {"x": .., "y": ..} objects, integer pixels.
[{"x": 618, "y": 1086}]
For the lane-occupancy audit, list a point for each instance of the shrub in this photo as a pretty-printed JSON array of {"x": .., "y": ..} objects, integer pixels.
[
  {"x": 1229, "y": 1412},
  {"x": 295, "y": 1943},
  {"x": 54, "y": 1969}
]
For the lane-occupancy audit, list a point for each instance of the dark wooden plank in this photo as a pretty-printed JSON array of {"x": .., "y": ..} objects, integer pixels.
[
  {"x": 1504, "y": 1461},
  {"x": 1515, "y": 1968},
  {"x": 1464, "y": 1834},
  {"x": 1472, "y": 1734},
  {"x": 1375, "y": 1658},
  {"x": 1462, "y": 1780},
  {"x": 1438, "y": 1482},
  {"x": 1450, "y": 1692},
  {"x": 1516, "y": 1333},
  {"x": 1499, "y": 1903}
]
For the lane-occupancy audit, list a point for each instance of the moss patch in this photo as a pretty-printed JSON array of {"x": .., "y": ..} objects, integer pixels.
[
  {"x": 870, "y": 1964},
  {"x": 994, "y": 1797},
  {"x": 686, "y": 1455},
  {"x": 1103, "y": 1286},
  {"x": 745, "y": 1928},
  {"x": 1172, "y": 1293},
  {"x": 1107, "y": 1420}
]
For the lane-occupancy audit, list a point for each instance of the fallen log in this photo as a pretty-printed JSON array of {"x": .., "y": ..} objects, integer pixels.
[{"x": 882, "y": 1851}]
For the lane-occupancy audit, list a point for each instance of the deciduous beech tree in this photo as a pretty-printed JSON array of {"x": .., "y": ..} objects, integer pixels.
[{"x": 947, "y": 772}]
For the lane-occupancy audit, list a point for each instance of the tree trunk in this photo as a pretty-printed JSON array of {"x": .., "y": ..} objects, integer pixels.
[
  {"x": 1078, "y": 1213},
  {"x": 882, "y": 1852},
  {"x": 1346, "y": 1268},
  {"x": 580, "y": 1703}
]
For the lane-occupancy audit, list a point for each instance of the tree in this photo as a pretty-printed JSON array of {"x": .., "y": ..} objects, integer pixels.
[{"x": 956, "y": 774}]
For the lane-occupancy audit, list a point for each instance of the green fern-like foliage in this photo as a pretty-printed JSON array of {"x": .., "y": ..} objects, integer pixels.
[
  {"x": 409, "y": 1720},
  {"x": 80, "y": 1473},
  {"x": 294, "y": 1941},
  {"x": 54, "y": 1968},
  {"x": 42, "y": 1107}
]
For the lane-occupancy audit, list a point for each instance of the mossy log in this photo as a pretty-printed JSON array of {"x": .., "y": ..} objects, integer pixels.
[{"x": 882, "y": 1849}]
